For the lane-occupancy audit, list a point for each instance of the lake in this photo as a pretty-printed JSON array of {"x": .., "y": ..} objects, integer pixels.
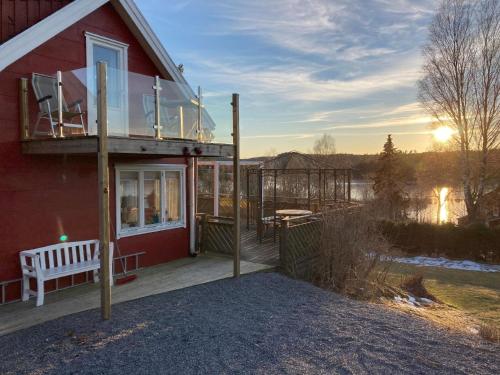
[{"x": 442, "y": 205}]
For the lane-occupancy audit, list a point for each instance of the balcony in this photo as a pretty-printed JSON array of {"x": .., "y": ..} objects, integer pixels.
[{"x": 146, "y": 115}]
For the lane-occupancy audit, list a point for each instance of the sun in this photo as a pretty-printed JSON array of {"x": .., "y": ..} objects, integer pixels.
[{"x": 443, "y": 134}]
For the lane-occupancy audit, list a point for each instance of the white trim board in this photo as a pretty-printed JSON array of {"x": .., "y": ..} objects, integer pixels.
[{"x": 36, "y": 35}]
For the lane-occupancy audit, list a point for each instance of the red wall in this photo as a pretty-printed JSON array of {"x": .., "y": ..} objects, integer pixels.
[
  {"x": 42, "y": 197},
  {"x": 17, "y": 15}
]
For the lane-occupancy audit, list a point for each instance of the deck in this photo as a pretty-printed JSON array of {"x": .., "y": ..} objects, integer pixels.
[
  {"x": 158, "y": 279},
  {"x": 266, "y": 252}
]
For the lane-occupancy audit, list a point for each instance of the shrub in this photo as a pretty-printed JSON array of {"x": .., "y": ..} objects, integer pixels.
[
  {"x": 476, "y": 242},
  {"x": 414, "y": 284},
  {"x": 489, "y": 332},
  {"x": 350, "y": 248}
]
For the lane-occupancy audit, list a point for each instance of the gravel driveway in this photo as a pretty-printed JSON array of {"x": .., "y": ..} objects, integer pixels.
[{"x": 262, "y": 323}]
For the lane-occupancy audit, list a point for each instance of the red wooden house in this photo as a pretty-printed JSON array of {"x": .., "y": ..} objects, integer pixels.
[{"x": 48, "y": 188}]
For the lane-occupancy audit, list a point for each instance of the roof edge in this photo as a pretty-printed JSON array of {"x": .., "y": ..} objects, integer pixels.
[
  {"x": 34, "y": 36},
  {"x": 31, "y": 38}
]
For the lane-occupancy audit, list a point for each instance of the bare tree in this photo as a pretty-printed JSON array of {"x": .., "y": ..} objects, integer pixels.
[
  {"x": 460, "y": 87},
  {"x": 324, "y": 147},
  {"x": 487, "y": 83}
]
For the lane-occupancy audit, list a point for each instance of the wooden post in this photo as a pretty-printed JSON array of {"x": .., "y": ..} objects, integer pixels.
[
  {"x": 23, "y": 108},
  {"x": 181, "y": 122},
  {"x": 199, "y": 130},
  {"x": 103, "y": 177},
  {"x": 236, "y": 184},
  {"x": 248, "y": 198},
  {"x": 274, "y": 205},
  {"x": 60, "y": 123},
  {"x": 157, "y": 89},
  {"x": 216, "y": 188},
  {"x": 192, "y": 205},
  {"x": 283, "y": 243},
  {"x": 260, "y": 205}
]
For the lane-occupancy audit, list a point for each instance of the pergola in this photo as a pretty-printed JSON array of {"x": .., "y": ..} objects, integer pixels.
[{"x": 312, "y": 189}]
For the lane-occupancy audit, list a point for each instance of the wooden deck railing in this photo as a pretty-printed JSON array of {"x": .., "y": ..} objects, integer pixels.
[{"x": 215, "y": 234}]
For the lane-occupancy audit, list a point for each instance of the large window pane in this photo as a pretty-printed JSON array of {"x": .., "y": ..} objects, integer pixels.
[
  {"x": 129, "y": 193},
  {"x": 173, "y": 196},
  {"x": 152, "y": 205},
  {"x": 111, "y": 57}
]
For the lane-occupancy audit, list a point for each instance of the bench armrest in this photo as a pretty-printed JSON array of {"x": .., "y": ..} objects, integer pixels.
[
  {"x": 28, "y": 255},
  {"x": 35, "y": 261}
]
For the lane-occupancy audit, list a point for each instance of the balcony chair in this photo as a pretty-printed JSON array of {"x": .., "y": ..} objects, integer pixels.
[{"x": 45, "y": 89}]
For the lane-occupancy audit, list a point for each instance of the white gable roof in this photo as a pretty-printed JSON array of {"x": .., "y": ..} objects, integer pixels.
[{"x": 15, "y": 48}]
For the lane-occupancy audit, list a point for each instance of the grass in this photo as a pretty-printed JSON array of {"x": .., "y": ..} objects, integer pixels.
[{"x": 477, "y": 294}]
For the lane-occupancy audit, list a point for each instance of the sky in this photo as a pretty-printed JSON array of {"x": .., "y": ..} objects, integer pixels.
[{"x": 303, "y": 68}]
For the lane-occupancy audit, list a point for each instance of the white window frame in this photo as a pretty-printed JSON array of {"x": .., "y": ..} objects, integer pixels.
[
  {"x": 164, "y": 224},
  {"x": 92, "y": 39}
]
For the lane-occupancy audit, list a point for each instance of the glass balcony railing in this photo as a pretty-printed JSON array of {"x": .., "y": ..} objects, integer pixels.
[{"x": 137, "y": 106}]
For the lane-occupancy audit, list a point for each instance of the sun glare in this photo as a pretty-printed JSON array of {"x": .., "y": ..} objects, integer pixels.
[{"x": 443, "y": 133}]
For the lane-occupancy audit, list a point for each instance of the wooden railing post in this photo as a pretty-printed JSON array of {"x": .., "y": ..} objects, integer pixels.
[
  {"x": 236, "y": 184},
  {"x": 103, "y": 177},
  {"x": 23, "y": 108},
  {"x": 157, "y": 89},
  {"x": 199, "y": 133},
  {"x": 181, "y": 122},
  {"x": 60, "y": 121},
  {"x": 216, "y": 169},
  {"x": 283, "y": 245}
]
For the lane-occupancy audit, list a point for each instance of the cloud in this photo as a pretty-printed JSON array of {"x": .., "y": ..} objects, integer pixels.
[
  {"x": 345, "y": 66},
  {"x": 296, "y": 82},
  {"x": 394, "y": 122}
]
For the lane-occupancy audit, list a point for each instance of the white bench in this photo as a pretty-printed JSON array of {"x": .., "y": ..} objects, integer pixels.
[{"x": 59, "y": 260}]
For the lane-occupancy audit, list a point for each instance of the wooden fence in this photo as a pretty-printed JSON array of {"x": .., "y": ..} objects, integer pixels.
[
  {"x": 300, "y": 241},
  {"x": 215, "y": 234},
  {"x": 300, "y": 245}
]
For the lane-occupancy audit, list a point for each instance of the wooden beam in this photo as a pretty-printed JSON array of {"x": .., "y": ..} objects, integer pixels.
[
  {"x": 236, "y": 184},
  {"x": 167, "y": 147},
  {"x": 119, "y": 145},
  {"x": 67, "y": 145},
  {"x": 103, "y": 176},
  {"x": 23, "y": 108}
]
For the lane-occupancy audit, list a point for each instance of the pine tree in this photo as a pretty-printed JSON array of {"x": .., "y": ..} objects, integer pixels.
[{"x": 389, "y": 181}]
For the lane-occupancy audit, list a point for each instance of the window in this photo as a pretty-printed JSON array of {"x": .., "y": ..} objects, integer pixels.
[
  {"x": 114, "y": 53},
  {"x": 149, "y": 198}
]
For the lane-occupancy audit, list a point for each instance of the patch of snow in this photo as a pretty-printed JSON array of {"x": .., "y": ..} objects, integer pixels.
[
  {"x": 426, "y": 301},
  {"x": 466, "y": 265}
]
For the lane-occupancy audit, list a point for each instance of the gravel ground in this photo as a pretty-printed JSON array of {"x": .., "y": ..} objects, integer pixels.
[{"x": 262, "y": 323}]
